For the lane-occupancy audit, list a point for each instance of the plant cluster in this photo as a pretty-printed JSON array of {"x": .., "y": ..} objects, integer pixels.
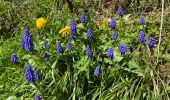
[{"x": 84, "y": 61}]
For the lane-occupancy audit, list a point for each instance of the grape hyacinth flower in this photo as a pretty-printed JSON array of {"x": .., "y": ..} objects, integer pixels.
[
  {"x": 97, "y": 72},
  {"x": 71, "y": 36},
  {"x": 120, "y": 11},
  {"x": 45, "y": 44},
  {"x": 110, "y": 53},
  {"x": 14, "y": 58},
  {"x": 82, "y": 18},
  {"x": 26, "y": 41},
  {"x": 46, "y": 57},
  {"x": 37, "y": 97},
  {"x": 123, "y": 49},
  {"x": 36, "y": 76},
  {"x": 59, "y": 48},
  {"x": 112, "y": 24},
  {"x": 114, "y": 36},
  {"x": 142, "y": 38},
  {"x": 72, "y": 26},
  {"x": 151, "y": 42},
  {"x": 88, "y": 51},
  {"x": 69, "y": 46},
  {"x": 22, "y": 43},
  {"x": 29, "y": 74},
  {"x": 142, "y": 20},
  {"x": 89, "y": 34}
]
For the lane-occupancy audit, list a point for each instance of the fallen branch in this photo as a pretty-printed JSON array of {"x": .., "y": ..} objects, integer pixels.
[{"x": 160, "y": 34}]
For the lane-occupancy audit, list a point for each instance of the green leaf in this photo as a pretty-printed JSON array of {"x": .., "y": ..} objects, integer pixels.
[
  {"x": 95, "y": 94},
  {"x": 118, "y": 58},
  {"x": 74, "y": 97},
  {"x": 168, "y": 89},
  {"x": 80, "y": 26},
  {"x": 107, "y": 60},
  {"x": 134, "y": 71},
  {"x": 133, "y": 64},
  {"x": 84, "y": 67},
  {"x": 26, "y": 56},
  {"x": 12, "y": 98},
  {"x": 54, "y": 64},
  {"x": 32, "y": 62},
  {"x": 0, "y": 50}
]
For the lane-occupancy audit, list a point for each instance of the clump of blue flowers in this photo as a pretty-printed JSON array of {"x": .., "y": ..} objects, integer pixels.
[
  {"x": 151, "y": 42},
  {"x": 142, "y": 37},
  {"x": 69, "y": 46},
  {"x": 123, "y": 49},
  {"x": 71, "y": 36},
  {"x": 97, "y": 72},
  {"x": 72, "y": 26},
  {"x": 114, "y": 36},
  {"x": 82, "y": 18},
  {"x": 112, "y": 24},
  {"x": 59, "y": 48},
  {"x": 110, "y": 53},
  {"x": 88, "y": 51},
  {"x": 142, "y": 20},
  {"x": 89, "y": 34},
  {"x": 36, "y": 76},
  {"x": 14, "y": 58},
  {"x": 46, "y": 57},
  {"x": 37, "y": 97},
  {"x": 120, "y": 11},
  {"x": 31, "y": 75},
  {"x": 45, "y": 44},
  {"x": 26, "y": 41}
]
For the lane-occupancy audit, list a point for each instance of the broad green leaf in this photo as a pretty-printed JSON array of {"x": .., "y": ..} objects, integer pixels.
[
  {"x": 117, "y": 58},
  {"x": 107, "y": 60},
  {"x": 80, "y": 26},
  {"x": 133, "y": 64}
]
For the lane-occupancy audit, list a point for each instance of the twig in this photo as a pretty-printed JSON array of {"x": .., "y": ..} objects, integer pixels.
[{"x": 160, "y": 34}]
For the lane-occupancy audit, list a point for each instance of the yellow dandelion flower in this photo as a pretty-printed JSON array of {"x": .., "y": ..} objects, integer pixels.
[
  {"x": 65, "y": 31},
  {"x": 40, "y": 22}
]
